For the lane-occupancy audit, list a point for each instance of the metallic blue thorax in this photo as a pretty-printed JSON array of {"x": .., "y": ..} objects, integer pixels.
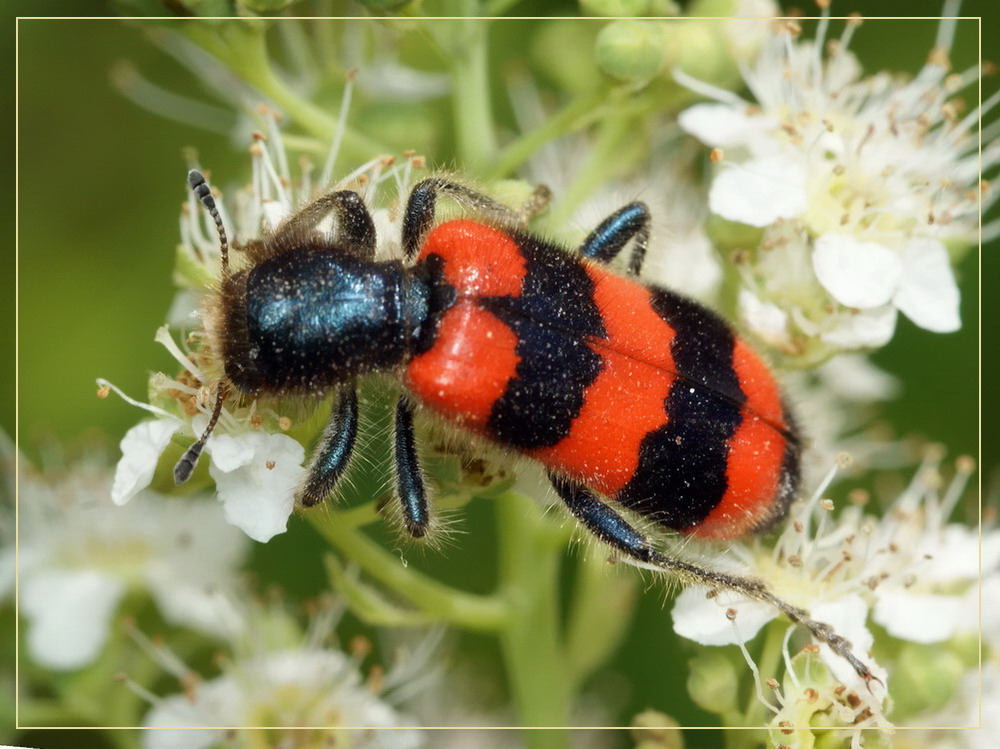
[{"x": 318, "y": 317}]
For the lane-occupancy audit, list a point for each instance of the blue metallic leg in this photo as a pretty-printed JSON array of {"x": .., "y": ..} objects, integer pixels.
[
  {"x": 355, "y": 227},
  {"x": 421, "y": 205},
  {"x": 610, "y": 527},
  {"x": 610, "y": 237},
  {"x": 332, "y": 454},
  {"x": 598, "y": 518},
  {"x": 409, "y": 478}
]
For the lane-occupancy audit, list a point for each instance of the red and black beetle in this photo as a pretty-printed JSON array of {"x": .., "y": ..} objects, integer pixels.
[{"x": 624, "y": 391}]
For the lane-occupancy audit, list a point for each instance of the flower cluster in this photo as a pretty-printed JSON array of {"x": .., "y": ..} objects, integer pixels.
[
  {"x": 280, "y": 677},
  {"x": 911, "y": 570},
  {"x": 80, "y": 555},
  {"x": 861, "y": 189}
]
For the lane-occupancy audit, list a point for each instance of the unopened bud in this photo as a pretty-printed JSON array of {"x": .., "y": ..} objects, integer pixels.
[
  {"x": 713, "y": 682},
  {"x": 630, "y": 51}
]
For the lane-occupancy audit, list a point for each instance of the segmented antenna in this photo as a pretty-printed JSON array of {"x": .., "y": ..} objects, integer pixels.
[
  {"x": 186, "y": 465},
  {"x": 200, "y": 187}
]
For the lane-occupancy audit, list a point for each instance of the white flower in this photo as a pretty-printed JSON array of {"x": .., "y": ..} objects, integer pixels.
[
  {"x": 280, "y": 677},
  {"x": 978, "y": 690},
  {"x": 256, "y": 475},
  {"x": 141, "y": 448},
  {"x": 256, "y": 472},
  {"x": 79, "y": 555},
  {"x": 760, "y": 192},
  {"x": 912, "y": 570},
  {"x": 875, "y": 173},
  {"x": 321, "y": 688},
  {"x": 857, "y": 274},
  {"x": 746, "y": 28}
]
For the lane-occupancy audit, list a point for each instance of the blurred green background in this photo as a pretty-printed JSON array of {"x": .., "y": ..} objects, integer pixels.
[{"x": 99, "y": 188}]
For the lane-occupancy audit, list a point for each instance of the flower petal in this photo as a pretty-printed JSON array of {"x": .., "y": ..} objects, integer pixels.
[
  {"x": 257, "y": 475},
  {"x": 193, "y": 576},
  {"x": 177, "y": 710},
  {"x": 857, "y": 274},
  {"x": 868, "y": 329},
  {"x": 69, "y": 612},
  {"x": 760, "y": 191},
  {"x": 847, "y": 616},
  {"x": 141, "y": 448},
  {"x": 767, "y": 320},
  {"x": 918, "y": 617},
  {"x": 721, "y": 124},
  {"x": 704, "y": 620},
  {"x": 954, "y": 555},
  {"x": 854, "y": 377},
  {"x": 927, "y": 292}
]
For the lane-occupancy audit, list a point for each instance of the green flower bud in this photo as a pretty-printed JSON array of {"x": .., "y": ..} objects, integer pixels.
[
  {"x": 812, "y": 673},
  {"x": 573, "y": 69},
  {"x": 876, "y": 739},
  {"x": 655, "y": 730},
  {"x": 702, "y": 50},
  {"x": 925, "y": 678},
  {"x": 614, "y": 8},
  {"x": 713, "y": 682},
  {"x": 630, "y": 51},
  {"x": 966, "y": 647}
]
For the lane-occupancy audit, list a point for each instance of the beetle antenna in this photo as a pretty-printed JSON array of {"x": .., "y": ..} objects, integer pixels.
[
  {"x": 185, "y": 466},
  {"x": 200, "y": 187}
]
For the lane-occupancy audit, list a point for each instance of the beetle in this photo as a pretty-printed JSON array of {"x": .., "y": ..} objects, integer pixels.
[{"x": 626, "y": 392}]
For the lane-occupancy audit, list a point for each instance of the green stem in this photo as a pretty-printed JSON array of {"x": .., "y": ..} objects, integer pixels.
[
  {"x": 437, "y": 599},
  {"x": 576, "y": 115},
  {"x": 604, "y": 598},
  {"x": 241, "y": 46},
  {"x": 367, "y": 513},
  {"x": 596, "y": 170},
  {"x": 530, "y": 556},
  {"x": 474, "y": 134}
]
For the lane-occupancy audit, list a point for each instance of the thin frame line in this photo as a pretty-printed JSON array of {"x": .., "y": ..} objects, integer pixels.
[{"x": 18, "y": 19}]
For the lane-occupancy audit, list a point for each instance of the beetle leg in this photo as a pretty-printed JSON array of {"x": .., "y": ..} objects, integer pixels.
[
  {"x": 354, "y": 224},
  {"x": 613, "y": 233},
  {"x": 610, "y": 527},
  {"x": 410, "y": 484},
  {"x": 422, "y": 202},
  {"x": 333, "y": 452}
]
